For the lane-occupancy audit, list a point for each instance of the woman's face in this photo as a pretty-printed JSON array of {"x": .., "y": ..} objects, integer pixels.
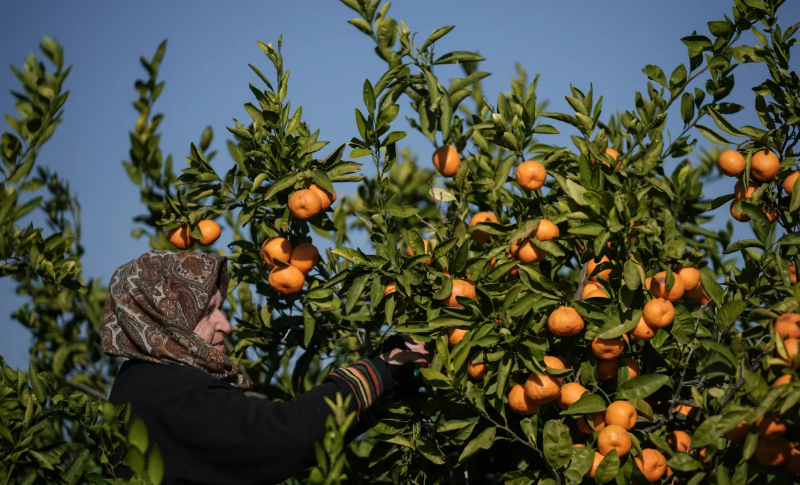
[{"x": 214, "y": 326}]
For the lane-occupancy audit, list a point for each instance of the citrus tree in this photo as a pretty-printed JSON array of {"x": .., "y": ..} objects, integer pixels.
[{"x": 588, "y": 325}]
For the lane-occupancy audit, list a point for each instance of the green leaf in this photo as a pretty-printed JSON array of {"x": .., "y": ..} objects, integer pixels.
[
  {"x": 678, "y": 77},
  {"x": 758, "y": 220},
  {"x": 630, "y": 273},
  {"x": 794, "y": 203},
  {"x": 707, "y": 433},
  {"x": 791, "y": 239},
  {"x": 549, "y": 246},
  {"x": 445, "y": 290},
  {"x": 712, "y": 288},
  {"x": 573, "y": 190},
  {"x": 76, "y": 468},
  {"x": 41, "y": 460},
  {"x": 434, "y": 378},
  {"x": 137, "y": 435},
  {"x": 729, "y": 312},
  {"x": 393, "y": 137},
  {"x": 613, "y": 328},
  {"x": 361, "y": 123},
  {"x": 260, "y": 178},
  {"x": 696, "y": 44},
  {"x": 712, "y": 135},
  {"x": 503, "y": 170},
  {"x": 651, "y": 156},
  {"x": 683, "y": 462},
  {"x": 687, "y": 108},
  {"x": 581, "y": 463},
  {"x": 642, "y": 386},
  {"x": 720, "y": 349},
  {"x": 643, "y": 408},
  {"x": 388, "y": 309},
  {"x": 588, "y": 403},
  {"x": 36, "y": 384},
  {"x": 155, "y": 465},
  {"x": 24, "y": 209},
  {"x": 362, "y": 25},
  {"x": 360, "y": 152},
  {"x": 461, "y": 258},
  {"x": 351, "y": 255},
  {"x": 309, "y": 324},
  {"x": 588, "y": 229},
  {"x": 321, "y": 179},
  {"x": 503, "y": 370},
  {"x": 722, "y": 123},
  {"x": 283, "y": 183},
  {"x": 483, "y": 441},
  {"x": 369, "y": 96},
  {"x": 441, "y": 322},
  {"x": 436, "y": 35},
  {"x": 608, "y": 468},
  {"x": 675, "y": 249},
  {"x": 457, "y": 57},
  {"x": 442, "y": 195},
  {"x": 446, "y": 116},
  {"x": 522, "y": 305},
  {"x": 444, "y": 247},
  {"x": 656, "y": 74},
  {"x": 745, "y": 243},
  {"x": 430, "y": 450},
  {"x": 22, "y": 170},
  {"x": 757, "y": 4},
  {"x": 557, "y": 443},
  {"x": 545, "y": 130},
  {"x": 461, "y": 83},
  {"x": 354, "y": 292}
]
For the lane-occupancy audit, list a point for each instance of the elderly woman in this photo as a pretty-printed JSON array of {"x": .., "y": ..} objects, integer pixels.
[{"x": 164, "y": 314}]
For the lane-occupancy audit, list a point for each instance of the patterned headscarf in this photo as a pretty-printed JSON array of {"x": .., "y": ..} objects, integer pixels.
[{"x": 155, "y": 302}]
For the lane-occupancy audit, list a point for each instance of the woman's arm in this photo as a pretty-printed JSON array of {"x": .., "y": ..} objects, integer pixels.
[{"x": 237, "y": 439}]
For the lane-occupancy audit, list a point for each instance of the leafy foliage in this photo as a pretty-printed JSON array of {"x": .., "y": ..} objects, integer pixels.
[{"x": 608, "y": 193}]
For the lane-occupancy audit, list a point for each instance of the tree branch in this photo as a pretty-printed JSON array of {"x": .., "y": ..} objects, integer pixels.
[{"x": 86, "y": 389}]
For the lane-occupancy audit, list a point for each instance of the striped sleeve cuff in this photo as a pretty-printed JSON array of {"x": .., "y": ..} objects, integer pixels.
[{"x": 366, "y": 379}]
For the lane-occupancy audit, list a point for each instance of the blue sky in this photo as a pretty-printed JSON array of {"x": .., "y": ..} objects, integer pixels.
[{"x": 210, "y": 43}]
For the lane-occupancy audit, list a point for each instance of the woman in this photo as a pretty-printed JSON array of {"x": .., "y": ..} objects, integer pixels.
[{"x": 163, "y": 314}]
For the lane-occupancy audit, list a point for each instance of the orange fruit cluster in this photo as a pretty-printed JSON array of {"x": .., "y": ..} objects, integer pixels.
[
  {"x": 182, "y": 239},
  {"x": 288, "y": 278},
  {"x": 526, "y": 251},
  {"x": 612, "y": 428},
  {"x": 306, "y": 203},
  {"x": 659, "y": 312},
  {"x": 764, "y": 166}
]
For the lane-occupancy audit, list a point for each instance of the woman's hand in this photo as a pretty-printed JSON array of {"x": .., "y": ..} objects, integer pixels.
[{"x": 411, "y": 352}]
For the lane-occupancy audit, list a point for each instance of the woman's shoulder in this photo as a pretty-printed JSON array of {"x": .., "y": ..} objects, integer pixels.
[{"x": 141, "y": 382}]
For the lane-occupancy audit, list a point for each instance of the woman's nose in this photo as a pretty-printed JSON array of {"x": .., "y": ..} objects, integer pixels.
[{"x": 223, "y": 325}]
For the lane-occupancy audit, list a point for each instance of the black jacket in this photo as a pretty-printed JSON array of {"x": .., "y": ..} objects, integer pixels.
[{"x": 211, "y": 433}]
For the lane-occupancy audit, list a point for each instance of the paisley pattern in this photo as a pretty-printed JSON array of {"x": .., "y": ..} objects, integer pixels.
[{"x": 154, "y": 303}]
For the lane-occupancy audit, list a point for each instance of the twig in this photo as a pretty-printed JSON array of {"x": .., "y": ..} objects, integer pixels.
[
  {"x": 655, "y": 425},
  {"x": 680, "y": 385},
  {"x": 86, "y": 389},
  {"x": 369, "y": 226},
  {"x": 439, "y": 206},
  {"x": 734, "y": 389},
  {"x": 754, "y": 363},
  {"x": 527, "y": 442},
  {"x": 581, "y": 280}
]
